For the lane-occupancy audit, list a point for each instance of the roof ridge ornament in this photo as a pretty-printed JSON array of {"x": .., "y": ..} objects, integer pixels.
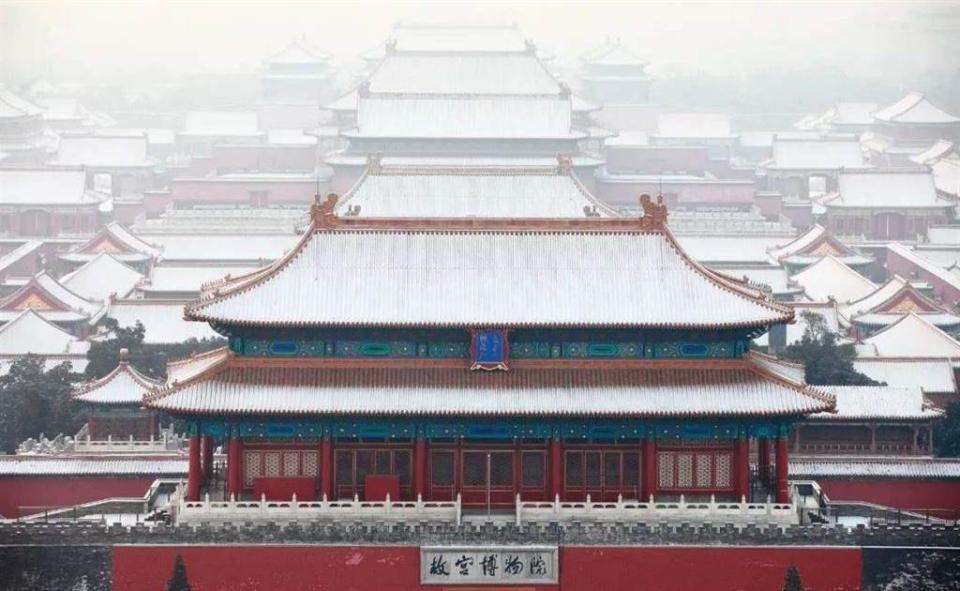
[
  {"x": 654, "y": 214},
  {"x": 375, "y": 163},
  {"x": 322, "y": 213},
  {"x": 564, "y": 164}
]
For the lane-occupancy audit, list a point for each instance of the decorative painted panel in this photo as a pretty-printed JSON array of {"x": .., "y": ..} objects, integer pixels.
[
  {"x": 251, "y": 467},
  {"x": 684, "y": 470},
  {"x": 603, "y": 350},
  {"x": 490, "y": 349},
  {"x": 665, "y": 469},
  {"x": 679, "y": 350},
  {"x": 704, "y": 470},
  {"x": 271, "y": 464},
  {"x": 311, "y": 463},
  {"x": 723, "y": 472},
  {"x": 291, "y": 463},
  {"x": 626, "y": 350},
  {"x": 251, "y": 347}
]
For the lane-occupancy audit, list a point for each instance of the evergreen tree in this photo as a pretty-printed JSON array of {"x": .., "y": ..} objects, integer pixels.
[
  {"x": 792, "y": 581},
  {"x": 827, "y": 362},
  {"x": 178, "y": 580},
  {"x": 34, "y": 401}
]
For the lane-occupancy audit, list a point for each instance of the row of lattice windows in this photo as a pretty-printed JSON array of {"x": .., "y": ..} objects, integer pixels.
[
  {"x": 279, "y": 463},
  {"x": 693, "y": 470}
]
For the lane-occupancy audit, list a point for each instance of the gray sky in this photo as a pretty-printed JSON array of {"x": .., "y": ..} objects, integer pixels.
[{"x": 93, "y": 39}]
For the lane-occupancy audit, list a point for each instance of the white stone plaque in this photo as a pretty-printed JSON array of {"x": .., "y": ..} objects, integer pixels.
[{"x": 459, "y": 565}]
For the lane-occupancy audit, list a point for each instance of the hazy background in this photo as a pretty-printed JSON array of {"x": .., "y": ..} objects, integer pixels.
[{"x": 724, "y": 51}]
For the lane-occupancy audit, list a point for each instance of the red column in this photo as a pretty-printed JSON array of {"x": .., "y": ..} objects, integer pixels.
[
  {"x": 207, "y": 456},
  {"x": 233, "y": 468},
  {"x": 420, "y": 467},
  {"x": 649, "y": 467},
  {"x": 556, "y": 467},
  {"x": 193, "y": 474},
  {"x": 783, "y": 495},
  {"x": 326, "y": 471},
  {"x": 741, "y": 452}
]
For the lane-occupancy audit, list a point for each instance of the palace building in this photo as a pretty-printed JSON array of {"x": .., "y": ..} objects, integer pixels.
[{"x": 486, "y": 360}]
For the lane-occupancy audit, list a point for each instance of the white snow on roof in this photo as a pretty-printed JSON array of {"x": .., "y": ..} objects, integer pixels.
[
  {"x": 887, "y": 189},
  {"x": 935, "y": 152},
  {"x": 852, "y": 114},
  {"x": 463, "y": 193},
  {"x": 221, "y": 123},
  {"x": 914, "y": 108},
  {"x": 799, "y": 243},
  {"x": 520, "y": 74},
  {"x": 162, "y": 319},
  {"x": 796, "y": 330},
  {"x": 881, "y": 467},
  {"x": 222, "y": 248},
  {"x": 26, "y": 465},
  {"x": 45, "y": 187},
  {"x": 296, "y": 53},
  {"x": 694, "y": 125},
  {"x": 13, "y": 106},
  {"x": 102, "y": 277},
  {"x": 489, "y": 278},
  {"x": 79, "y": 306},
  {"x": 830, "y": 278},
  {"x": 613, "y": 54},
  {"x": 878, "y": 402},
  {"x": 123, "y": 385},
  {"x": 28, "y": 247},
  {"x": 30, "y": 333},
  {"x": 912, "y": 336},
  {"x": 290, "y": 137},
  {"x": 170, "y": 278},
  {"x": 874, "y": 299},
  {"x": 462, "y": 38},
  {"x": 932, "y": 375},
  {"x": 717, "y": 250},
  {"x": 944, "y": 235},
  {"x": 474, "y": 117},
  {"x": 946, "y": 176},
  {"x": 102, "y": 152},
  {"x": 921, "y": 262},
  {"x": 816, "y": 154},
  {"x": 776, "y": 278},
  {"x": 62, "y": 109}
]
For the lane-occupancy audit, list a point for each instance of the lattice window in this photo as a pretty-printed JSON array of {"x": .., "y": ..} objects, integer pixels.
[
  {"x": 723, "y": 475},
  {"x": 704, "y": 470},
  {"x": 251, "y": 467},
  {"x": 291, "y": 463},
  {"x": 684, "y": 470},
  {"x": 311, "y": 463},
  {"x": 665, "y": 469},
  {"x": 271, "y": 464}
]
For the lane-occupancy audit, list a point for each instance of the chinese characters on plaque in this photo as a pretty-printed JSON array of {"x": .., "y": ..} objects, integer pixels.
[{"x": 450, "y": 565}]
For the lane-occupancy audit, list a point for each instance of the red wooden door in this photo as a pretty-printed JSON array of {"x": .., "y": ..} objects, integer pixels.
[{"x": 604, "y": 474}]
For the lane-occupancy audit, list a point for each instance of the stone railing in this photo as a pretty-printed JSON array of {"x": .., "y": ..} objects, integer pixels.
[
  {"x": 166, "y": 443},
  {"x": 208, "y": 511},
  {"x": 654, "y": 511}
]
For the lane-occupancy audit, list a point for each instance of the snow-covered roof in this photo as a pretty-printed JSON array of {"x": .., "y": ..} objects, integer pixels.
[
  {"x": 815, "y": 244},
  {"x": 851, "y": 114},
  {"x": 878, "y": 402},
  {"x": 122, "y": 386},
  {"x": 505, "y": 163},
  {"x": 795, "y": 331},
  {"x": 921, "y": 262},
  {"x": 879, "y": 467},
  {"x": 913, "y": 336},
  {"x": 15, "y": 107},
  {"x": 459, "y": 192},
  {"x": 118, "y": 242},
  {"x": 495, "y": 117},
  {"x": 891, "y": 300},
  {"x": 738, "y": 388},
  {"x": 914, "y": 108},
  {"x": 183, "y": 279},
  {"x": 938, "y": 150},
  {"x": 29, "y": 332},
  {"x": 102, "y": 277},
  {"x": 776, "y": 278},
  {"x": 476, "y": 74},
  {"x": 885, "y": 189},
  {"x": 162, "y": 319},
  {"x": 458, "y": 38},
  {"x": 222, "y": 248},
  {"x": 934, "y": 376},
  {"x": 45, "y": 187},
  {"x": 694, "y": 125},
  {"x": 62, "y": 109},
  {"x": 946, "y": 176},
  {"x": 25, "y": 249},
  {"x": 612, "y": 53},
  {"x": 738, "y": 250},
  {"x": 298, "y": 52},
  {"x": 598, "y": 272},
  {"x": 830, "y": 278},
  {"x": 290, "y": 137},
  {"x": 221, "y": 124},
  {"x": 821, "y": 154},
  {"x": 97, "y": 151},
  {"x": 49, "y": 298},
  {"x": 28, "y": 465},
  {"x": 944, "y": 235}
]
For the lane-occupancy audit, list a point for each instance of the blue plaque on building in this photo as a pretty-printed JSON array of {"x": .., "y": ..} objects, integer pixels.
[{"x": 490, "y": 349}]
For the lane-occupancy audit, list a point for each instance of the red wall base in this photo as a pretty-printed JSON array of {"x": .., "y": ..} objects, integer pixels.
[
  {"x": 26, "y": 496},
  {"x": 395, "y": 568},
  {"x": 938, "y": 497}
]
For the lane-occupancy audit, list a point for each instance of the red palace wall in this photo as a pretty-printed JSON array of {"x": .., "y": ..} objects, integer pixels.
[
  {"x": 941, "y": 498},
  {"x": 395, "y": 568},
  {"x": 27, "y": 495},
  {"x": 900, "y": 266}
]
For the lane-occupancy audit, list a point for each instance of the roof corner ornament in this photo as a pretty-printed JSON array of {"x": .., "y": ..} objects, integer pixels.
[
  {"x": 654, "y": 214},
  {"x": 564, "y": 91},
  {"x": 529, "y": 47},
  {"x": 322, "y": 213},
  {"x": 363, "y": 91},
  {"x": 124, "y": 355},
  {"x": 564, "y": 164},
  {"x": 391, "y": 47}
]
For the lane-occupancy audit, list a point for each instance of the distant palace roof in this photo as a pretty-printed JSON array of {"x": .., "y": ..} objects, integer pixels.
[
  {"x": 830, "y": 278},
  {"x": 116, "y": 241},
  {"x": 476, "y": 272},
  {"x": 31, "y": 333},
  {"x": 235, "y": 385},
  {"x": 914, "y": 109},
  {"x": 15, "y": 107},
  {"x": 46, "y": 187},
  {"x": 912, "y": 336},
  {"x": 459, "y": 192},
  {"x": 448, "y": 38},
  {"x": 98, "y": 151},
  {"x": 813, "y": 245},
  {"x": 818, "y": 154},
  {"x": 887, "y": 189},
  {"x": 878, "y": 402},
  {"x": 478, "y": 74},
  {"x": 49, "y": 298},
  {"x": 892, "y": 300},
  {"x": 122, "y": 386},
  {"x": 102, "y": 277}
]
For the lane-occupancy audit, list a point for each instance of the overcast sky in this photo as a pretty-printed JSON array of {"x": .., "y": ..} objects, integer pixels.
[{"x": 98, "y": 38}]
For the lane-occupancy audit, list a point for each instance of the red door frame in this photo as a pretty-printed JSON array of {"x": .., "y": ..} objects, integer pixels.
[
  {"x": 345, "y": 490},
  {"x": 476, "y": 496},
  {"x": 713, "y": 450},
  {"x": 260, "y": 446},
  {"x": 602, "y": 492}
]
